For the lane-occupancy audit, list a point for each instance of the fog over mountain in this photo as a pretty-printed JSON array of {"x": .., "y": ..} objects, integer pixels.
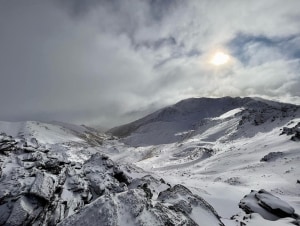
[{"x": 109, "y": 62}]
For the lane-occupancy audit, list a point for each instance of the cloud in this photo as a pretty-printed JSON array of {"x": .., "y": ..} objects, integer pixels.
[{"x": 110, "y": 61}]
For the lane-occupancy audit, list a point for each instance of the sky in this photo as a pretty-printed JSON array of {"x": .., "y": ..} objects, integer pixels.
[{"x": 108, "y": 62}]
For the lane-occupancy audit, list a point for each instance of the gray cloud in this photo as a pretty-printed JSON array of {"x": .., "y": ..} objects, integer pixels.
[{"x": 110, "y": 61}]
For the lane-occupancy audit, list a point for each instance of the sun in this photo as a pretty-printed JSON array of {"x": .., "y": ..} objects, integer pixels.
[{"x": 219, "y": 58}]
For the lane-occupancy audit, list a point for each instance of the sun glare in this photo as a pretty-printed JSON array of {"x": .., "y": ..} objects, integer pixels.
[{"x": 219, "y": 58}]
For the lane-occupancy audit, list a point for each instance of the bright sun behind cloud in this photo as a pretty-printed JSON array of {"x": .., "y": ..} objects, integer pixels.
[{"x": 219, "y": 58}]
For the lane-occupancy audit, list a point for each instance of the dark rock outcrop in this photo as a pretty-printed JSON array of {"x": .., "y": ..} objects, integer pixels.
[
  {"x": 272, "y": 156},
  {"x": 267, "y": 205},
  {"x": 294, "y": 132}
]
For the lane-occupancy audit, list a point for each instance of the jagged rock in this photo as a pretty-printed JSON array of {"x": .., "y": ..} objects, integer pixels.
[
  {"x": 133, "y": 207},
  {"x": 76, "y": 184},
  {"x": 182, "y": 198},
  {"x": 5, "y": 211},
  {"x": 7, "y": 144},
  {"x": 130, "y": 207},
  {"x": 43, "y": 186},
  {"x": 52, "y": 166},
  {"x": 40, "y": 188},
  {"x": 102, "y": 211},
  {"x": 21, "y": 212},
  {"x": 294, "y": 131},
  {"x": 104, "y": 175},
  {"x": 31, "y": 157},
  {"x": 149, "y": 184},
  {"x": 182, "y": 206}
]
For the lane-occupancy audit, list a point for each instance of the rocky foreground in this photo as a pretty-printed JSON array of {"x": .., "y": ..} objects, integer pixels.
[{"x": 42, "y": 187}]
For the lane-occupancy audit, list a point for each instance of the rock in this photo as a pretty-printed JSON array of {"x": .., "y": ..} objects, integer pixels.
[
  {"x": 134, "y": 208},
  {"x": 182, "y": 206},
  {"x": 31, "y": 157},
  {"x": 104, "y": 175},
  {"x": 183, "y": 199},
  {"x": 39, "y": 188},
  {"x": 43, "y": 186},
  {"x": 267, "y": 205},
  {"x": 5, "y": 211},
  {"x": 272, "y": 156},
  {"x": 102, "y": 211},
  {"x": 274, "y": 205},
  {"x": 294, "y": 131},
  {"x": 150, "y": 185},
  {"x": 52, "y": 166},
  {"x": 7, "y": 144},
  {"x": 20, "y": 213}
]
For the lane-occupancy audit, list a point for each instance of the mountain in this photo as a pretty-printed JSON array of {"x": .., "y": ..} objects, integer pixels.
[
  {"x": 190, "y": 117},
  {"x": 221, "y": 149},
  {"x": 203, "y": 161}
]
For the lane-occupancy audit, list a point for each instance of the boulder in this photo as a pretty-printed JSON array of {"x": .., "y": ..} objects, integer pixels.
[
  {"x": 43, "y": 186},
  {"x": 20, "y": 213},
  {"x": 274, "y": 204},
  {"x": 267, "y": 205}
]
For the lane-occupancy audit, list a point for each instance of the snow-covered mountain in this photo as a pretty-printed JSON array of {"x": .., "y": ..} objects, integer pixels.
[
  {"x": 221, "y": 149},
  {"x": 193, "y": 116},
  {"x": 226, "y": 161}
]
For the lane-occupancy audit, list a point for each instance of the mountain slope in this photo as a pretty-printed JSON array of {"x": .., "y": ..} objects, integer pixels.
[
  {"x": 172, "y": 124},
  {"x": 251, "y": 145}
]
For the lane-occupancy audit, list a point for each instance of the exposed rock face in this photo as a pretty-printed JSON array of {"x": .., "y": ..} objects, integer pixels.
[
  {"x": 22, "y": 212},
  {"x": 41, "y": 186},
  {"x": 182, "y": 200},
  {"x": 294, "y": 131},
  {"x": 267, "y": 205},
  {"x": 133, "y": 207},
  {"x": 7, "y": 144}
]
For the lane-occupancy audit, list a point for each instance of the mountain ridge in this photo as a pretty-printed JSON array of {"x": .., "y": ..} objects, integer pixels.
[{"x": 184, "y": 115}]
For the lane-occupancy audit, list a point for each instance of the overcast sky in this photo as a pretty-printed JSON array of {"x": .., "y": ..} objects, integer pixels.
[{"x": 106, "y": 62}]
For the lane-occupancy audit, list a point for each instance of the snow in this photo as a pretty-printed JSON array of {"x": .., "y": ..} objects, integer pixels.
[
  {"x": 198, "y": 215},
  {"x": 231, "y": 113},
  {"x": 215, "y": 152},
  {"x": 257, "y": 220},
  {"x": 235, "y": 166},
  {"x": 45, "y": 133}
]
